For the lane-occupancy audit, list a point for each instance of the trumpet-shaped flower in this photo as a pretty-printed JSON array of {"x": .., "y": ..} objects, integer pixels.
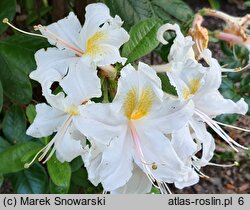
[
  {"x": 131, "y": 130},
  {"x": 59, "y": 118},
  {"x": 199, "y": 84},
  {"x": 98, "y": 41}
]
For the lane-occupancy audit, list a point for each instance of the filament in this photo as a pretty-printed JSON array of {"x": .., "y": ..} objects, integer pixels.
[
  {"x": 162, "y": 186},
  {"x": 6, "y": 21},
  {"x": 201, "y": 174},
  {"x": 239, "y": 69},
  {"x": 59, "y": 40},
  {"x": 232, "y": 126},
  {"x": 219, "y": 131},
  {"x": 45, "y": 150},
  {"x": 223, "y": 165}
]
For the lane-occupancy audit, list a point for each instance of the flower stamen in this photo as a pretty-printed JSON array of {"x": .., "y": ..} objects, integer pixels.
[
  {"x": 59, "y": 40},
  {"x": 219, "y": 131},
  {"x": 6, "y": 21},
  {"x": 60, "y": 133}
]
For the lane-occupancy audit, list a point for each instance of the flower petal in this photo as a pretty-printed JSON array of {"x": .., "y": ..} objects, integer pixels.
[
  {"x": 70, "y": 145},
  {"x": 138, "y": 184},
  {"x": 96, "y": 15},
  {"x": 157, "y": 149},
  {"x": 171, "y": 116},
  {"x": 99, "y": 122},
  {"x": 189, "y": 179},
  {"x": 52, "y": 58},
  {"x": 115, "y": 34},
  {"x": 138, "y": 80},
  {"x": 47, "y": 121},
  {"x": 213, "y": 76},
  {"x": 105, "y": 55},
  {"x": 186, "y": 77},
  {"x": 92, "y": 158},
  {"x": 212, "y": 104},
  {"x": 68, "y": 29},
  {"x": 116, "y": 167},
  {"x": 183, "y": 144},
  {"x": 206, "y": 141},
  {"x": 47, "y": 78},
  {"x": 113, "y": 166},
  {"x": 182, "y": 46},
  {"x": 81, "y": 83}
]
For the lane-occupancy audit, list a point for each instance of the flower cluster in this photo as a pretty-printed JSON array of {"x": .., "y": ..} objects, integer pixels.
[{"x": 145, "y": 136}]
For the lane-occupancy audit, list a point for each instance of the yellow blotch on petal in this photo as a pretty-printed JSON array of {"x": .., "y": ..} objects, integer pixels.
[
  {"x": 186, "y": 93},
  {"x": 135, "y": 109},
  {"x": 72, "y": 110},
  {"x": 130, "y": 103},
  {"x": 194, "y": 85},
  {"x": 92, "y": 46}
]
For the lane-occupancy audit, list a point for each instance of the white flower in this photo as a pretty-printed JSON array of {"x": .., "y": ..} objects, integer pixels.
[
  {"x": 59, "y": 118},
  {"x": 132, "y": 129},
  {"x": 198, "y": 84},
  {"x": 98, "y": 41}
]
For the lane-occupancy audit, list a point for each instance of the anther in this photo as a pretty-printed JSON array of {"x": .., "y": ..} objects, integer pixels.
[
  {"x": 154, "y": 166},
  {"x": 5, "y": 20}
]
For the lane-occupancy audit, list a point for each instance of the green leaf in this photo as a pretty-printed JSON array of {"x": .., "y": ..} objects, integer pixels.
[
  {"x": 130, "y": 11},
  {"x": 3, "y": 144},
  {"x": 28, "y": 157},
  {"x": 14, "y": 125},
  {"x": 166, "y": 85},
  {"x": 245, "y": 84},
  {"x": 155, "y": 190},
  {"x": 247, "y": 4},
  {"x": 20, "y": 49},
  {"x": 7, "y": 10},
  {"x": 142, "y": 39},
  {"x": 33, "y": 180},
  {"x": 247, "y": 100},
  {"x": 76, "y": 164},
  {"x": 17, "y": 61},
  {"x": 229, "y": 90},
  {"x": 215, "y": 4},
  {"x": 165, "y": 49},
  {"x": 54, "y": 189},
  {"x": 60, "y": 173},
  {"x": 1, "y": 180},
  {"x": 11, "y": 158},
  {"x": 1, "y": 96},
  {"x": 227, "y": 118},
  {"x": 176, "y": 9},
  {"x": 80, "y": 178},
  {"x": 30, "y": 113}
]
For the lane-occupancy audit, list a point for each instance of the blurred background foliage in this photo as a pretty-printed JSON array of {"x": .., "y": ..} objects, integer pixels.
[{"x": 19, "y": 94}]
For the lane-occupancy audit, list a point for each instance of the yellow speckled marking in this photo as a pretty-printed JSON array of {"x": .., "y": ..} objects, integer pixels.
[
  {"x": 194, "y": 85},
  {"x": 134, "y": 109},
  {"x": 92, "y": 44}
]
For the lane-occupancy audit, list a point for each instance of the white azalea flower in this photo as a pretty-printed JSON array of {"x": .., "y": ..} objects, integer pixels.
[
  {"x": 198, "y": 84},
  {"x": 59, "y": 117},
  {"x": 98, "y": 41},
  {"x": 132, "y": 130}
]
